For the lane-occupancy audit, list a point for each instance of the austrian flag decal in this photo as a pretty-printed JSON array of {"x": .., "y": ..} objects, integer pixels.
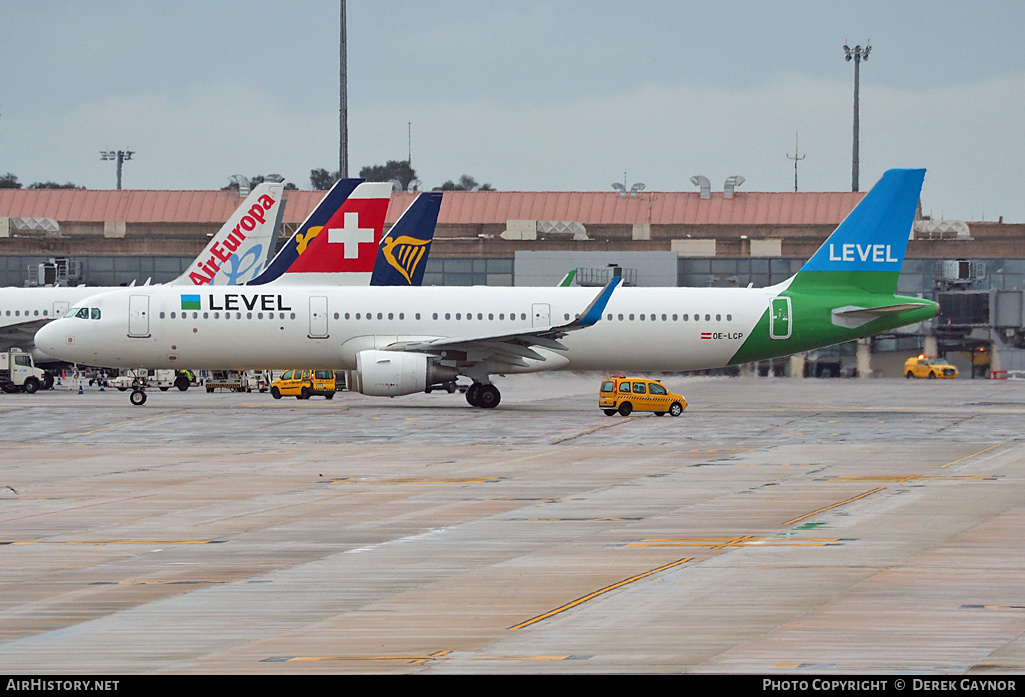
[{"x": 704, "y": 335}]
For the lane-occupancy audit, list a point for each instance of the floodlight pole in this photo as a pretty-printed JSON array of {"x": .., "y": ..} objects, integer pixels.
[
  {"x": 120, "y": 156},
  {"x": 343, "y": 106},
  {"x": 857, "y": 54}
]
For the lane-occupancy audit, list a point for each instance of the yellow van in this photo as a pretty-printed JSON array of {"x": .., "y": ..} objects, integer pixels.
[
  {"x": 622, "y": 395},
  {"x": 922, "y": 366},
  {"x": 303, "y": 384}
]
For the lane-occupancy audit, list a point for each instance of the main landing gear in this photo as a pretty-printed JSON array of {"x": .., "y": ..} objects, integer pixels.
[{"x": 483, "y": 396}]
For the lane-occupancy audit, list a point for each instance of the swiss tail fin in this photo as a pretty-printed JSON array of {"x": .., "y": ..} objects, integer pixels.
[
  {"x": 343, "y": 253},
  {"x": 402, "y": 256},
  {"x": 867, "y": 250},
  {"x": 239, "y": 250},
  {"x": 305, "y": 233}
]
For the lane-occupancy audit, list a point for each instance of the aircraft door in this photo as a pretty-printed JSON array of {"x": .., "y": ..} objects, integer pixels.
[
  {"x": 60, "y": 308},
  {"x": 780, "y": 319},
  {"x": 542, "y": 315},
  {"x": 138, "y": 316},
  {"x": 318, "y": 317}
]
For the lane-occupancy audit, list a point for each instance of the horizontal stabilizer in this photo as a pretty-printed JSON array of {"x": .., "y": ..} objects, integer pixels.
[{"x": 852, "y": 317}]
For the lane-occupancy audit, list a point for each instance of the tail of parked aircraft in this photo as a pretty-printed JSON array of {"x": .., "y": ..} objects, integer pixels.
[
  {"x": 847, "y": 289},
  {"x": 343, "y": 253},
  {"x": 402, "y": 256},
  {"x": 239, "y": 250},
  {"x": 313, "y": 224},
  {"x": 867, "y": 250}
]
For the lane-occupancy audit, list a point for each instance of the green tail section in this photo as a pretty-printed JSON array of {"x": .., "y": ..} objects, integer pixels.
[{"x": 846, "y": 291}]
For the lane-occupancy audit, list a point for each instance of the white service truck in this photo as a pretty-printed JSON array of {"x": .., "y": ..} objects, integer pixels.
[{"x": 19, "y": 374}]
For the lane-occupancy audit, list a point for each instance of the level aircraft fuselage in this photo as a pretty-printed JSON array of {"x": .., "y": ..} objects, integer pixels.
[{"x": 656, "y": 329}]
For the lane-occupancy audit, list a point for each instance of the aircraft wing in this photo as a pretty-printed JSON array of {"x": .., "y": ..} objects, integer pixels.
[
  {"x": 514, "y": 347},
  {"x": 21, "y": 334}
]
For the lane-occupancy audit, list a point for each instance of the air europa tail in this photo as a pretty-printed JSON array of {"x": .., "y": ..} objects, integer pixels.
[
  {"x": 343, "y": 253},
  {"x": 867, "y": 250},
  {"x": 402, "y": 256},
  {"x": 239, "y": 250},
  {"x": 313, "y": 224}
]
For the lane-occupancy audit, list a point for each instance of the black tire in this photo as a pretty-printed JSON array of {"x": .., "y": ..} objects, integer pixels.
[
  {"x": 609, "y": 412},
  {"x": 304, "y": 393},
  {"x": 47, "y": 381},
  {"x": 275, "y": 393},
  {"x": 675, "y": 409},
  {"x": 488, "y": 397},
  {"x": 329, "y": 395},
  {"x": 659, "y": 413},
  {"x": 471, "y": 394},
  {"x": 125, "y": 389},
  {"x": 909, "y": 375},
  {"x": 181, "y": 382},
  {"x": 450, "y": 387},
  {"x": 625, "y": 408},
  {"x": 138, "y": 398},
  {"x": 209, "y": 390},
  {"x": 164, "y": 388},
  {"x": 31, "y": 385},
  {"x": 932, "y": 376}
]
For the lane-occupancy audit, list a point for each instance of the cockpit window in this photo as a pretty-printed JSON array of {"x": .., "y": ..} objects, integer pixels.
[{"x": 84, "y": 312}]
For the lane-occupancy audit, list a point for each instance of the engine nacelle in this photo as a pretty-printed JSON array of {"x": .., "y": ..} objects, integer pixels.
[{"x": 393, "y": 373}]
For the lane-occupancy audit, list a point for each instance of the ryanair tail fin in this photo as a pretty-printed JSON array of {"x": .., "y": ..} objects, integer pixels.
[
  {"x": 305, "y": 233},
  {"x": 238, "y": 251},
  {"x": 867, "y": 250},
  {"x": 402, "y": 256}
]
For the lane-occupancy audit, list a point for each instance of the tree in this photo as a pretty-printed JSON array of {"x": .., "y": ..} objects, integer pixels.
[
  {"x": 322, "y": 180},
  {"x": 9, "y": 181},
  {"x": 397, "y": 170},
  {"x": 53, "y": 185},
  {"x": 466, "y": 183}
]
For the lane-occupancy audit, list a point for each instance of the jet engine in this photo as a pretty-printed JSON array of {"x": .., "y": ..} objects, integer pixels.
[{"x": 393, "y": 373}]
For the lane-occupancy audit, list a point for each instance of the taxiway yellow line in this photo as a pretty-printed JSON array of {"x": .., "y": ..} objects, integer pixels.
[{"x": 595, "y": 594}]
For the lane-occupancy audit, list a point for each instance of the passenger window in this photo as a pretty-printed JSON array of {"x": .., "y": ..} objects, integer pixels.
[
  {"x": 624, "y": 387},
  {"x": 287, "y": 375},
  {"x": 639, "y": 388},
  {"x": 608, "y": 386},
  {"x": 655, "y": 388}
]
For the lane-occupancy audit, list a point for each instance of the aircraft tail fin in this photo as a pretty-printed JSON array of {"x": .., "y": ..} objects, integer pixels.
[
  {"x": 402, "y": 256},
  {"x": 343, "y": 253},
  {"x": 239, "y": 250},
  {"x": 867, "y": 250},
  {"x": 305, "y": 233}
]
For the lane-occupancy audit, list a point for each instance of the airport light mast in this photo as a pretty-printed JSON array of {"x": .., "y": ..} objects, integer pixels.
[
  {"x": 121, "y": 156},
  {"x": 857, "y": 54}
]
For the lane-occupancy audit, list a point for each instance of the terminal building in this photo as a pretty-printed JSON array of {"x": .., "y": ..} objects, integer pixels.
[{"x": 975, "y": 270}]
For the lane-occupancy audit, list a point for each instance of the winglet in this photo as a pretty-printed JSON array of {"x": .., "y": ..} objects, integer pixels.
[{"x": 594, "y": 311}]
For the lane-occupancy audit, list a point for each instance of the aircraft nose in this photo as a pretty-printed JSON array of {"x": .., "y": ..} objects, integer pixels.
[{"x": 53, "y": 339}]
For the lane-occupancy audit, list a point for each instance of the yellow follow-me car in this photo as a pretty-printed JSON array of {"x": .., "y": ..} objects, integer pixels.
[
  {"x": 303, "y": 384},
  {"x": 922, "y": 366},
  {"x": 623, "y": 395}
]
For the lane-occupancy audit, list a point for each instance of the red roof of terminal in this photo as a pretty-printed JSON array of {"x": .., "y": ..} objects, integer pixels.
[{"x": 458, "y": 207}]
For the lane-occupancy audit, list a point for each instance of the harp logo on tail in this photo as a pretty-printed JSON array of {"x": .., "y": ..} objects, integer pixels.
[{"x": 404, "y": 254}]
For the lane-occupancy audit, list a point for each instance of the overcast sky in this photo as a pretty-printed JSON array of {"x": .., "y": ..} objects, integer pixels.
[{"x": 522, "y": 94}]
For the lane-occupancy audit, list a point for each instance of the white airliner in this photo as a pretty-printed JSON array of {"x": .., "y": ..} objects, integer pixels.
[
  {"x": 400, "y": 340},
  {"x": 235, "y": 254}
]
